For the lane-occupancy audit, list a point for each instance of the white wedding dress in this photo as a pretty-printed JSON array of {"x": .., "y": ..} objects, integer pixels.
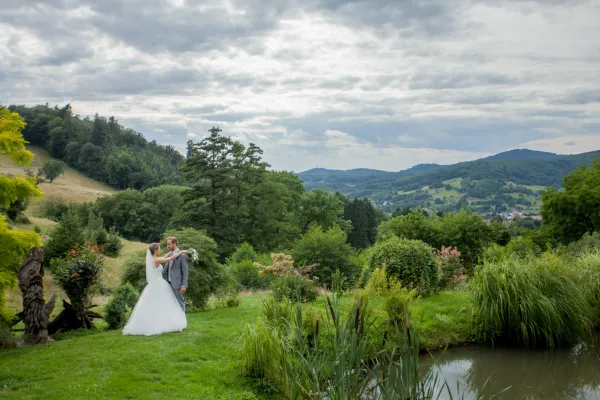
[{"x": 157, "y": 311}]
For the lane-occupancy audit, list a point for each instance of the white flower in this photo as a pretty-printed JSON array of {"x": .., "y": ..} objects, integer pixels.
[{"x": 194, "y": 254}]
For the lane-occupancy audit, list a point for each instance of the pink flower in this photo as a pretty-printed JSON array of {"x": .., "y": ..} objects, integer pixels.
[
  {"x": 95, "y": 248},
  {"x": 73, "y": 252},
  {"x": 75, "y": 274}
]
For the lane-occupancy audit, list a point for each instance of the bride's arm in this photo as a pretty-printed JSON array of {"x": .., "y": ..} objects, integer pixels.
[{"x": 167, "y": 259}]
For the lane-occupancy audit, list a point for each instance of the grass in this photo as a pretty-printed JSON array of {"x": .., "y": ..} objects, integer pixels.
[
  {"x": 443, "y": 319},
  {"x": 199, "y": 363}
]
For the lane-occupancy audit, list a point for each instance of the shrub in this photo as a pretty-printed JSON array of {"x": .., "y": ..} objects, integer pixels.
[
  {"x": 65, "y": 236},
  {"x": 113, "y": 244},
  {"x": 523, "y": 247},
  {"x": 134, "y": 271},
  {"x": 37, "y": 229},
  {"x": 244, "y": 252},
  {"x": 7, "y": 339},
  {"x": 78, "y": 275},
  {"x": 116, "y": 311},
  {"x": 450, "y": 267},
  {"x": 246, "y": 274},
  {"x": 291, "y": 282},
  {"x": 532, "y": 303},
  {"x": 396, "y": 301},
  {"x": 227, "y": 294},
  {"x": 295, "y": 288},
  {"x": 327, "y": 250},
  {"x": 411, "y": 261}
]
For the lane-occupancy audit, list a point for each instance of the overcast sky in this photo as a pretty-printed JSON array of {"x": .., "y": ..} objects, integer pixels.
[{"x": 380, "y": 84}]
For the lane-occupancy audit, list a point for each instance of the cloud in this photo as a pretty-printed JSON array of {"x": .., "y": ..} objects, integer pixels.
[{"x": 346, "y": 83}]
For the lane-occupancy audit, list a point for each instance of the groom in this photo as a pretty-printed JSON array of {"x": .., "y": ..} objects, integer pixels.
[{"x": 177, "y": 271}]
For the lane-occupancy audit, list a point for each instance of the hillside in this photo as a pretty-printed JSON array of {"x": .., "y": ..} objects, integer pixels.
[
  {"x": 72, "y": 187},
  {"x": 506, "y": 181}
]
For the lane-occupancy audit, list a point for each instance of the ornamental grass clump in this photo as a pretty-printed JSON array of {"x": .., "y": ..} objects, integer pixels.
[{"x": 529, "y": 303}]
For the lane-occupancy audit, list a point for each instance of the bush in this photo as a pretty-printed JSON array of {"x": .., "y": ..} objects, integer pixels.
[
  {"x": 450, "y": 267},
  {"x": 532, "y": 303},
  {"x": 134, "y": 271},
  {"x": 53, "y": 209},
  {"x": 244, "y": 252},
  {"x": 113, "y": 244},
  {"x": 37, "y": 229},
  {"x": 327, "y": 250},
  {"x": 410, "y": 261},
  {"x": 78, "y": 275},
  {"x": 290, "y": 282},
  {"x": 7, "y": 339},
  {"x": 295, "y": 288},
  {"x": 117, "y": 310},
  {"x": 246, "y": 274},
  {"x": 65, "y": 236}
]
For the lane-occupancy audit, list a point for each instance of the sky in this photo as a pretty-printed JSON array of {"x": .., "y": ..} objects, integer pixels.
[{"x": 382, "y": 84}]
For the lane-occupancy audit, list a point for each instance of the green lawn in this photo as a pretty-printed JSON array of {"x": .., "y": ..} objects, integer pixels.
[{"x": 199, "y": 363}]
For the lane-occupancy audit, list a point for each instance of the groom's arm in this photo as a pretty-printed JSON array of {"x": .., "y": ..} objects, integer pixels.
[{"x": 184, "y": 271}]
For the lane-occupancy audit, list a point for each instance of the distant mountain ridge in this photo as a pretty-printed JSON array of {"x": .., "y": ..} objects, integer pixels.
[{"x": 509, "y": 180}]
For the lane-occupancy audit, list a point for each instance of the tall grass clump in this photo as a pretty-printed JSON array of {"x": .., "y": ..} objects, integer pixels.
[
  {"x": 529, "y": 302},
  {"x": 331, "y": 357}
]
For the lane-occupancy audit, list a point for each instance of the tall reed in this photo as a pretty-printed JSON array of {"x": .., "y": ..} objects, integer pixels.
[{"x": 531, "y": 303}]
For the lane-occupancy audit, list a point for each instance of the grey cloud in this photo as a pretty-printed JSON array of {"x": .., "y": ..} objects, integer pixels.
[
  {"x": 570, "y": 143},
  {"x": 444, "y": 80},
  {"x": 579, "y": 97},
  {"x": 342, "y": 83}
]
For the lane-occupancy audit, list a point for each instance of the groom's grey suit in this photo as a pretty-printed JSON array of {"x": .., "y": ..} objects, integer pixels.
[{"x": 176, "y": 273}]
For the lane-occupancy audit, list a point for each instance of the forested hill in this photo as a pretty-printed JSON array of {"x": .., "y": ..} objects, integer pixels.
[
  {"x": 506, "y": 181},
  {"x": 101, "y": 148}
]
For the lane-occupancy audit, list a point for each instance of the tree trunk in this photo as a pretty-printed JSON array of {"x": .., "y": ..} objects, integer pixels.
[
  {"x": 35, "y": 312},
  {"x": 69, "y": 319}
]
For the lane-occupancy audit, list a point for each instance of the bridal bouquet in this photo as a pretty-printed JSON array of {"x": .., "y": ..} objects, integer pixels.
[{"x": 194, "y": 254}]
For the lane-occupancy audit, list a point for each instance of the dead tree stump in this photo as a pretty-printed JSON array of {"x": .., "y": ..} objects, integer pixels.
[{"x": 35, "y": 312}]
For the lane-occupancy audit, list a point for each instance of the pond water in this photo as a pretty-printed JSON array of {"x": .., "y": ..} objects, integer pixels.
[{"x": 532, "y": 374}]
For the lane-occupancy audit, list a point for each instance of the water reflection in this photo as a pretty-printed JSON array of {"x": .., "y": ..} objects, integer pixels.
[{"x": 533, "y": 374}]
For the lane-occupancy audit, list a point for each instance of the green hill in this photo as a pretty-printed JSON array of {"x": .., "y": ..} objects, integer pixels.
[{"x": 506, "y": 181}]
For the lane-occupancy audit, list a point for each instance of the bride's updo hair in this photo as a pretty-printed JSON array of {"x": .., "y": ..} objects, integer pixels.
[{"x": 153, "y": 247}]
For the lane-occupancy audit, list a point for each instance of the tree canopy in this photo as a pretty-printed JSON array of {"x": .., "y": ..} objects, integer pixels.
[{"x": 14, "y": 243}]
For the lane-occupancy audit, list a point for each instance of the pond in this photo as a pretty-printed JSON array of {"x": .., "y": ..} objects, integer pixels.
[{"x": 532, "y": 374}]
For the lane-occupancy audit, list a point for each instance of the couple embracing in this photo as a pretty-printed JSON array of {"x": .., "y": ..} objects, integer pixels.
[{"x": 161, "y": 307}]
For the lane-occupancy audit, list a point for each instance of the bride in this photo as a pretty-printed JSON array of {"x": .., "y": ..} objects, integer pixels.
[{"x": 157, "y": 311}]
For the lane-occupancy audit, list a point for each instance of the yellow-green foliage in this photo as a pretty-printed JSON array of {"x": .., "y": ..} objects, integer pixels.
[{"x": 14, "y": 244}]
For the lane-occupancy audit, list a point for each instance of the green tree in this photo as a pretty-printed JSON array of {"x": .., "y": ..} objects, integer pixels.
[
  {"x": 225, "y": 193},
  {"x": 364, "y": 223},
  {"x": 53, "y": 169},
  {"x": 572, "y": 212},
  {"x": 99, "y": 129},
  {"x": 327, "y": 248},
  {"x": 323, "y": 208},
  {"x": 66, "y": 235},
  {"x": 14, "y": 243},
  {"x": 274, "y": 216}
]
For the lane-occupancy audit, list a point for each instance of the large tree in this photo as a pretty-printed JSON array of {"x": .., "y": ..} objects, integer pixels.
[
  {"x": 570, "y": 213},
  {"x": 364, "y": 223},
  {"x": 14, "y": 243}
]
